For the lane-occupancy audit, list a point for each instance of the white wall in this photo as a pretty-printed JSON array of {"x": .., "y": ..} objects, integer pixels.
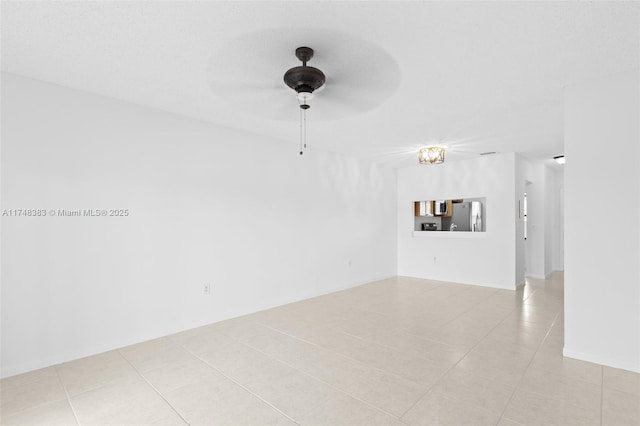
[
  {"x": 554, "y": 220},
  {"x": 520, "y": 186},
  {"x": 211, "y": 205},
  {"x": 489, "y": 260},
  {"x": 602, "y": 272},
  {"x": 530, "y": 178}
]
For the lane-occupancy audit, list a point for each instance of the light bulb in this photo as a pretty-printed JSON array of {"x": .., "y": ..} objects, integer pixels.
[{"x": 303, "y": 97}]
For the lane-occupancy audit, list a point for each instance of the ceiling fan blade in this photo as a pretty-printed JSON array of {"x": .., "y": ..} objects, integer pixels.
[{"x": 249, "y": 72}]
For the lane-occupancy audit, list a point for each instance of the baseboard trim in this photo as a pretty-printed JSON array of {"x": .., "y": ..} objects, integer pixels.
[
  {"x": 370, "y": 280},
  {"x": 477, "y": 284},
  {"x": 537, "y": 277},
  {"x": 13, "y": 370},
  {"x": 602, "y": 360}
]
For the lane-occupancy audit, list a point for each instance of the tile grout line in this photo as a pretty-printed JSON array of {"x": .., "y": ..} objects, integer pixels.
[
  {"x": 515, "y": 389},
  {"x": 390, "y": 373},
  {"x": 441, "y": 325},
  {"x": 446, "y": 371},
  {"x": 477, "y": 343},
  {"x": 66, "y": 392},
  {"x": 154, "y": 388},
  {"x": 327, "y": 383},
  {"x": 99, "y": 385},
  {"x": 469, "y": 309},
  {"x": 552, "y": 372},
  {"x": 235, "y": 382},
  {"x": 284, "y": 333},
  {"x": 384, "y": 345},
  {"x": 513, "y": 421},
  {"x": 463, "y": 357},
  {"x": 300, "y": 371},
  {"x": 353, "y": 305}
]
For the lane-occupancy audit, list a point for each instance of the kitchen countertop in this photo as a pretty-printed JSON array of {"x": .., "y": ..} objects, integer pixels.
[{"x": 448, "y": 234}]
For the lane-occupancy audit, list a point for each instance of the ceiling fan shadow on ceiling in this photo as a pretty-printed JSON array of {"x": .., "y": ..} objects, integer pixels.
[
  {"x": 343, "y": 74},
  {"x": 306, "y": 81}
]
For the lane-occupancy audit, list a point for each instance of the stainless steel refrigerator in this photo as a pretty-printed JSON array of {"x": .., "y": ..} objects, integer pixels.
[{"x": 467, "y": 216}]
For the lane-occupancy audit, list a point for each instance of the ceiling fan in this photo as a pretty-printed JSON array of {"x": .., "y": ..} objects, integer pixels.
[
  {"x": 248, "y": 72},
  {"x": 304, "y": 80}
]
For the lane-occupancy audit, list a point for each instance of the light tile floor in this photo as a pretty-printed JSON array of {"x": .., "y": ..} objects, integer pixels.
[{"x": 399, "y": 351}]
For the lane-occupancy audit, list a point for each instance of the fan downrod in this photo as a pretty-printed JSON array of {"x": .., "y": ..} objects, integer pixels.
[{"x": 304, "y": 54}]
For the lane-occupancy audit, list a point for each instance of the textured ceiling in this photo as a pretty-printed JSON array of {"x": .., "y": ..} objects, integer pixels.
[{"x": 474, "y": 77}]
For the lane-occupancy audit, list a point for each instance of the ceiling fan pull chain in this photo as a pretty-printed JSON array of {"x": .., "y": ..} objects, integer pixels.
[
  {"x": 303, "y": 126},
  {"x": 304, "y": 118},
  {"x": 301, "y": 130}
]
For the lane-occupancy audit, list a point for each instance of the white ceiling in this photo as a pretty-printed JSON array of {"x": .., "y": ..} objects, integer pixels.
[{"x": 472, "y": 76}]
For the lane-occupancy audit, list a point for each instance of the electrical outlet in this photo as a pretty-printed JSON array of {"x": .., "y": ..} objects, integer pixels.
[{"x": 206, "y": 289}]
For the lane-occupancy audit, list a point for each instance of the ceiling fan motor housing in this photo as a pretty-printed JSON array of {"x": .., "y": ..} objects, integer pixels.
[{"x": 304, "y": 78}]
